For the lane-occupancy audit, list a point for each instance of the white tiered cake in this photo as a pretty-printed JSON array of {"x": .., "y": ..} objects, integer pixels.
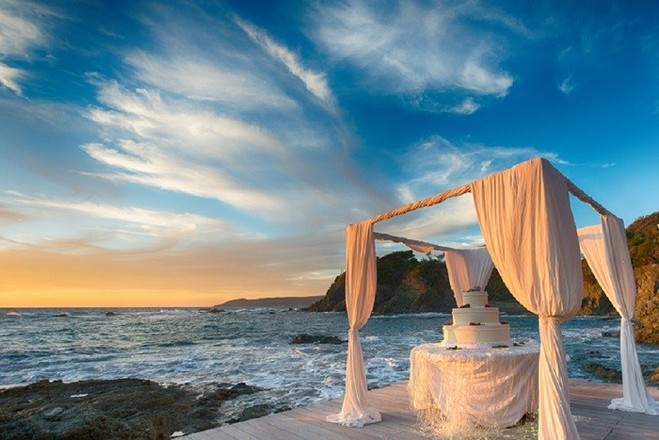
[{"x": 476, "y": 324}]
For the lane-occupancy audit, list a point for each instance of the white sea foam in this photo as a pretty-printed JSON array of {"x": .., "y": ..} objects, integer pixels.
[{"x": 415, "y": 315}]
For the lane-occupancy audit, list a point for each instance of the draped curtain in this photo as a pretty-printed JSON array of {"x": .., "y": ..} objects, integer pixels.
[
  {"x": 605, "y": 248},
  {"x": 467, "y": 268},
  {"x": 361, "y": 281},
  {"x": 524, "y": 214},
  {"x": 419, "y": 246}
]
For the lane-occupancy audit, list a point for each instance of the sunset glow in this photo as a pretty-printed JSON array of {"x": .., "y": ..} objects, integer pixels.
[{"x": 183, "y": 154}]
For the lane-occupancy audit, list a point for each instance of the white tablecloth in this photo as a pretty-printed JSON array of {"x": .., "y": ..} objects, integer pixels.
[{"x": 486, "y": 387}]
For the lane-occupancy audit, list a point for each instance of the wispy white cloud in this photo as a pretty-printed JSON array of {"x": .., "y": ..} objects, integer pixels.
[
  {"x": 447, "y": 54},
  {"x": 9, "y": 77},
  {"x": 203, "y": 80},
  {"x": 149, "y": 220},
  {"x": 148, "y": 243},
  {"x": 452, "y": 220},
  {"x": 222, "y": 122},
  {"x": 314, "y": 82},
  {"x": 10, "y": 215},
  {"x": 466, "y": 107},
  {"x": 492, "y": 15},
  {"x": 21, "y": 31},
  {"x": 18, "y": 35},
  {"x": 130, "y": 227},
  {"x": 146, "y": 114},
  {"x": 144, "y": 164},
  {"x": 566, "y": 86},
  {"x": 175, "y": 145}
]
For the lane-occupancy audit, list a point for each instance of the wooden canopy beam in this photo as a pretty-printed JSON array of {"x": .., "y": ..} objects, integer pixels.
[
  {"x": 408, "y": 241},
  {"x": 428, "y": 201},
  {"x": 463, "y": 189},
  {"x": 579, "y": 194}
]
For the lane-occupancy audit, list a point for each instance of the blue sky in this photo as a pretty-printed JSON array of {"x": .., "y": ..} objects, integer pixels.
[{"x": 189, "y": 152}]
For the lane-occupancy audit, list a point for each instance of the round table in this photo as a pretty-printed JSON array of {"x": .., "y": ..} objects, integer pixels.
[{"x": 492, "y": 387}]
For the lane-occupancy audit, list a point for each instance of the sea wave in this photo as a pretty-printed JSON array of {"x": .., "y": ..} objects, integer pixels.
[
  {"x": 251, "y": 346},
  {"x": 415, "y": 315}
]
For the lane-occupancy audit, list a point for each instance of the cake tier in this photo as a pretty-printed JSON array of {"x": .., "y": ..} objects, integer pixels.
[
  {"x": 475, "y": 299},
  {"x": 449, "y": 336},
  {"x": 485, "y": 315},
  {"x": 476, "y": 335}
]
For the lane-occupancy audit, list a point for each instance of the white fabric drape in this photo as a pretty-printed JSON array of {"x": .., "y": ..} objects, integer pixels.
[
  {"x": 467, "y": 268},
  {"x": 605, "y": 248},
  {"x": 361, "y": 282},
  {"x": 524, "y": 214},
  {"x": 417, "y": 245}
]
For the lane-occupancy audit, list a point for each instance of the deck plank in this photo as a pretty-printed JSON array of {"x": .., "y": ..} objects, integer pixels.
[{"x": 589, "y": 403}]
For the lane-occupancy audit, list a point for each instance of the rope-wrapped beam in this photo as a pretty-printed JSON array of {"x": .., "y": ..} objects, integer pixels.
[
  {"x": 429, "y": 201},
  {"x": 408, "y": 241},
  {"x": 463, "y": 189},
  {"x": 579, "y": 194}
]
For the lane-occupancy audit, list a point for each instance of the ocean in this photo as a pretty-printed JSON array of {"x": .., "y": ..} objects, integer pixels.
[{"x": 193, "y": 346}]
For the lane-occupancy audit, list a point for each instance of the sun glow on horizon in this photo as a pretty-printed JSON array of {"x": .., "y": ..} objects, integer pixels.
[
  {"x": 187, "y": 153},
  {"x": 42, "y": 279}
]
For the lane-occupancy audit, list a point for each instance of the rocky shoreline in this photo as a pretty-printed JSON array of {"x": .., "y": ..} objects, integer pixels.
[
  {"x": 115, "y": 409},
  {"x": 142, "y": 409}
]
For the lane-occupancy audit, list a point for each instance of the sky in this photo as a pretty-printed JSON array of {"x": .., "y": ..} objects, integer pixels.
[{"x": 185, "y": 153}]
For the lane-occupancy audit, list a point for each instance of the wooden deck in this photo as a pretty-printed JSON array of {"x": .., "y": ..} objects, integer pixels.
[{"x": 589, "y": 406}]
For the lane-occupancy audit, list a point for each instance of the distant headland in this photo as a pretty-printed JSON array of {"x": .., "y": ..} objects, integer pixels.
[{"x": 295, "y": 302}]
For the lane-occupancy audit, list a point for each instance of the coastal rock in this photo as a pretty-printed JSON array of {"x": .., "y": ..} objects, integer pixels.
[
  {"x": 608, "y": 374},
  {"x": 54, "y": 413},
  {"x": 611, "y": 334},
  {"x": 646, "y": 312},
  {"x": 654, "y": 377},
  {"x": 212, "y": 310},
  {"x": 242, "y": 388},
  {"x": 254, "y": 411},
  {"x": 603, "y": 372},
  {"x": 304, "y": 338},
  {"x": 111, "y": 313},
  {"x": 111, "y": 409}
]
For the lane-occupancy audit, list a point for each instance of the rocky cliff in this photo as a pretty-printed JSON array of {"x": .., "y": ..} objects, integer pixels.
[{"x": 407, "y": 285}]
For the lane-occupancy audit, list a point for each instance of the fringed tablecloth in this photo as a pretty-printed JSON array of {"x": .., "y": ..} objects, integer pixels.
[{"x": 463, "y": 388}]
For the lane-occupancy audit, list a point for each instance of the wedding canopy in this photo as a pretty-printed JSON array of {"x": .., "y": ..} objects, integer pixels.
[{"x": 530, "y": 234}]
